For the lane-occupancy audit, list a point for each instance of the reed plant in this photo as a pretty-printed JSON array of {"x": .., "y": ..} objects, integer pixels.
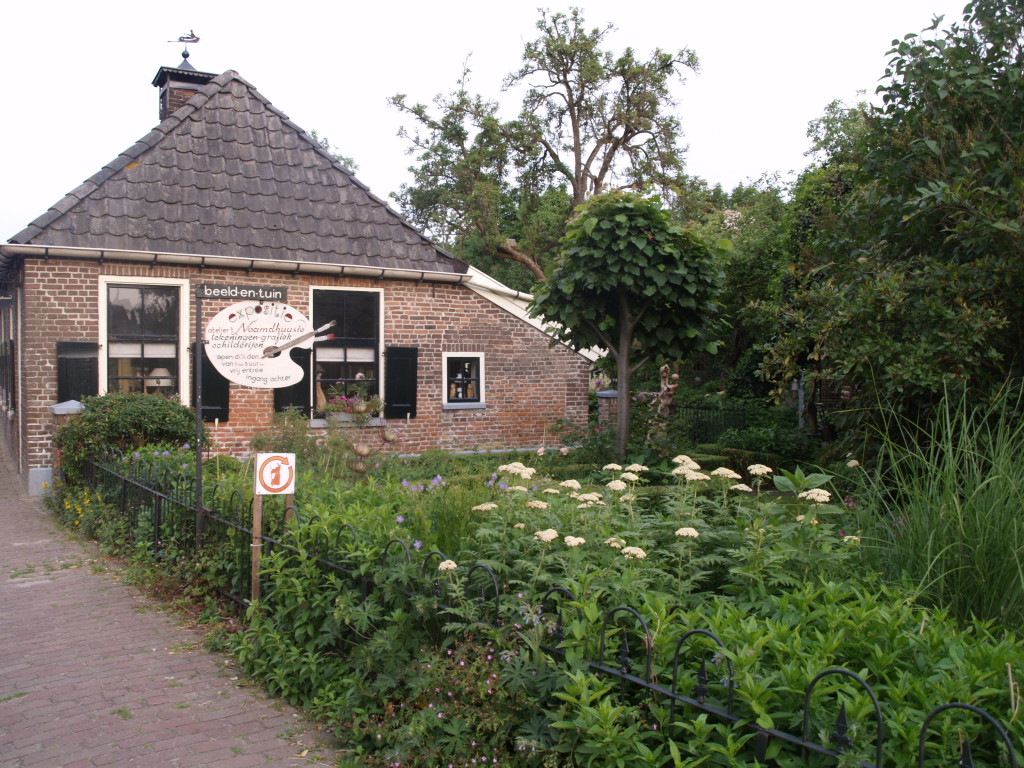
[{"x": 942, "y": 508}]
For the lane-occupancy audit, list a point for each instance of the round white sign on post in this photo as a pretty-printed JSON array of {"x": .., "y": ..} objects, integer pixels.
[
  {"x": 275, "y": 474},
  {"x": 249, "y": 343}
]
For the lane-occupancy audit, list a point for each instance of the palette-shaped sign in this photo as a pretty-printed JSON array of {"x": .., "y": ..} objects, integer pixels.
[{"x": 249, "y": 343}]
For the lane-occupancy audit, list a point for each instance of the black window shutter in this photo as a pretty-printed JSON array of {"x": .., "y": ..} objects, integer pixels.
[
  {"x": 77, "y": 370},
  {"x": 216, "y": 390},
  {"x": 400, "y": 368},
  {"x": 297, "y": 395}
]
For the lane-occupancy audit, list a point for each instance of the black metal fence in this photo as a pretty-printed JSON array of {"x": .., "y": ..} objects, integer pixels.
[
  {"x": 704, "y": 424},
  {"x": 159, "y": 510}
]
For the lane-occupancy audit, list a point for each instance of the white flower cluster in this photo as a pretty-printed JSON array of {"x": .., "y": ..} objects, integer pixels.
[
  {"x": 534, "y": 504},
  {"x": 691, "y": 533},
  {"x": 616, "y": 485},
  {"x": 517, "y": 468},
  {"x": 726, "y": 472},
  {"x": 591, "y": 497},
  {"x": 574, "y": 541},
  {"x": 519, "y": 525},
  {"x": 552, "y": 490},
  {"x": 485, "y": 507},
  {"x": 447, "y": 565},
  {"x": 572, "y": 484},
  {"x": 759, "y": 469},
  {"x": 629, "y": 476},
  {"x": 689, "y": 475},
  {"x": 612, "y": 467},
  {"x": 685, "y": 462},
  {"x": 741, "y": 487},
  {"x": 634, "y": 553},
  {"x": 546, "y": 536},
  {"x": 636, "y": 468},
  {"x": 817, "y": 495},
  {"x": 851, "y": 539},
  {"x": 615, "y": 542}
]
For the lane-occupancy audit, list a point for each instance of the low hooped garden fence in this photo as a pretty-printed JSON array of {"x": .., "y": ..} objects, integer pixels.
[{"x": 157, "y": 509}]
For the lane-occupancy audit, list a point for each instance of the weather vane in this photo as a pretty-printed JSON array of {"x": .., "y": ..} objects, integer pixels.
[{"x": 186, "y": 39}]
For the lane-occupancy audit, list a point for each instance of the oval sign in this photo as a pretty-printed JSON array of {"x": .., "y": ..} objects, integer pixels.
[{"x": 242, "y": 342}]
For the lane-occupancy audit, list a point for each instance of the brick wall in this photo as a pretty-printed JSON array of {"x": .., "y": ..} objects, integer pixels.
[{"x": 528, "y": 384}]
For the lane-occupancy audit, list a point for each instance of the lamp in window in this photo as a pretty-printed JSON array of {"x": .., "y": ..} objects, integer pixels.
[{"x": 160, "y": 379}]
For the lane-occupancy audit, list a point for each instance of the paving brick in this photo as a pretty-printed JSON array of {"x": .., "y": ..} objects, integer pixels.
[{"x": 93, "y": 674}]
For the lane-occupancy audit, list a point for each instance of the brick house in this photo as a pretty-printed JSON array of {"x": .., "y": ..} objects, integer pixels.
[{"x": 226, "y": 190}]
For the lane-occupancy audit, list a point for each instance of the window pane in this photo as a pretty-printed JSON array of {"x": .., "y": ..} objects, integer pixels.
[
  {"x": 463, "y": 376},
  {"x": 160, "y": 312},
  {"x": 124, "y": 310}
]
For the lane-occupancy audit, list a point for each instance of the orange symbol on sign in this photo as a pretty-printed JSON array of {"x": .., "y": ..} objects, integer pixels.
[{"x": 275, "y": 474}]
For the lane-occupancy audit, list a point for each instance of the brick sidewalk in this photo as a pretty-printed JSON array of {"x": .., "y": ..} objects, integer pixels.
[{"x": 94, "y": 674}]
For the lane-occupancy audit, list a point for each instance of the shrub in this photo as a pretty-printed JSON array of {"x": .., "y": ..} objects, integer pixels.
[{"x": 120, "y": 421}]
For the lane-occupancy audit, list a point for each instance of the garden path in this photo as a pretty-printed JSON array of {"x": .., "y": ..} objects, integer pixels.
[{"x": 92, "y": 673}]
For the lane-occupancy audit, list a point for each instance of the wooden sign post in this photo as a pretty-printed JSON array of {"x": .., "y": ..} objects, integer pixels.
[{"x": 275, "y": 476}]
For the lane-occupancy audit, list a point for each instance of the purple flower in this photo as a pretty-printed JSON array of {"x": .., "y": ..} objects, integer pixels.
[
  {"x": 503, "y": 486},
  {"x": 185, "y": 447},
  {"x": 417, "y": 544},
  {"x": 166, "y": 453},
  {"x": 136, "y": 455},
  {"x": 400, "y": 519},
  {"x": 405, "y": 483}
]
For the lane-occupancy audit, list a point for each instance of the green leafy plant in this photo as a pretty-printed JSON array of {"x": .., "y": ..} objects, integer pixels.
[{"x": 120, "y": 422}]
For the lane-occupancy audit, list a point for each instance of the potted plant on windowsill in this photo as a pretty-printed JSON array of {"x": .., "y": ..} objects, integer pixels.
[{"x": 355, "y": 408}]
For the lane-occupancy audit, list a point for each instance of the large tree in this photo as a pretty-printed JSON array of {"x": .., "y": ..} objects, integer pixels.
[
  {"x": 629, "y": 281},
  {"x": 913, "y": 278},
  {"x": 590, "y": 120}
]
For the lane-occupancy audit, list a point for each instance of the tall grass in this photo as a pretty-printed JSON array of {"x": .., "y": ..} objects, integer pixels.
[{"x": 943, "y": 509}]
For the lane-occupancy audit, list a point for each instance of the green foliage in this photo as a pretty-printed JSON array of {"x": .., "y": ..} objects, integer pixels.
[
  {"x": 912, "y": 276},
  {"x": 506, "y": 187},
  {"x": 120, "y": 422},
  {"x": 627, "y": 278},
  {"x": 942, "y": 507}
]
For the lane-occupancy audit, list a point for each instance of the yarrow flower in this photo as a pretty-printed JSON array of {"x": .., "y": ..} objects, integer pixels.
[
  {"x": 534, "y": 504},
  {"x": 447, "y": 565},
  {"x": 852, "y": 463},
  {"x": 632, "y": 553},
  {"x": 685, "y": 461},
  {"x": 616, "y": 485},
  {"x": 741, "y": 487},
  {"x": 690, "y": 476},
  {"x": 592, "y": 497},
  {"x": 519, "y": 525},
  {"x": 574, "y": 541},
  {"x": 552, "y": 490},
  {"x": 485, "y": 507},
  {"x": 546, "y": 536},
  {"x": 519, "y": 469},
  {"x": 726, "y": 472},
  {"x": 627, "y": 497},
  {"x": 691, "y": 533},
  {"x": 615, "y": 542},
  {"x": 573, "y": 484},
  {"x": 636, "y": 468},
  {"x": 612, "y": 467},
  {"x": 520, "y": 488},
  {"x": 759, "y": 469},
  {"x": 851, "y": 539},
  {"x": 817, "y": 495},
  {"x": 630, "y": 476}
]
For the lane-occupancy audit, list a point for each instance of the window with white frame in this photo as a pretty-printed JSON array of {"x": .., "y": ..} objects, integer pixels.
[
  {"x": 144, "y": 344},
  {"x": 463, "y": 379}
]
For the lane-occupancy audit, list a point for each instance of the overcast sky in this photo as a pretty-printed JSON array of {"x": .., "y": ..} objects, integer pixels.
[{"x": 77, "y": 85}]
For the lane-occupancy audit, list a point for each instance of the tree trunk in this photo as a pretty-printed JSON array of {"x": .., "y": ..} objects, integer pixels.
[{"x": 623, "y": 385}]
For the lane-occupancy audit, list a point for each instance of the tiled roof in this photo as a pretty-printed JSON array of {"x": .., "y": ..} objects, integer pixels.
[{"x": 228, "y": 174}]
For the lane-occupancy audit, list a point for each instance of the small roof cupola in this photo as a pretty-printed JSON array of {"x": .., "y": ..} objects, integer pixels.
[{"x": 178, "y": 84}]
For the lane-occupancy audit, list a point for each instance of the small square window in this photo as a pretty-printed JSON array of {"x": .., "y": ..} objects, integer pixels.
[{"x": 464, "y": 382}]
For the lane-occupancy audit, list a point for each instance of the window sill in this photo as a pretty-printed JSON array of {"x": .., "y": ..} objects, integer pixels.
[
  {"x": 373, "y": 421},
  {"x": 463, "y": 406}
]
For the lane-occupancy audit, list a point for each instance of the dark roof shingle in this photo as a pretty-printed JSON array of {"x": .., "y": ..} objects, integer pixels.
[{"x": 228, "y": 174}]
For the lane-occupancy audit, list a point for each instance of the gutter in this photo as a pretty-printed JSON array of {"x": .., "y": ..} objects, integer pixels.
[{"x": 10, "y": 250}]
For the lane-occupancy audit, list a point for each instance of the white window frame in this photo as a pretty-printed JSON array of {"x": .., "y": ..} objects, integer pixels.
[
  {"x": 184, "y": 305},
  {"x": 458, "y": 404}
]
